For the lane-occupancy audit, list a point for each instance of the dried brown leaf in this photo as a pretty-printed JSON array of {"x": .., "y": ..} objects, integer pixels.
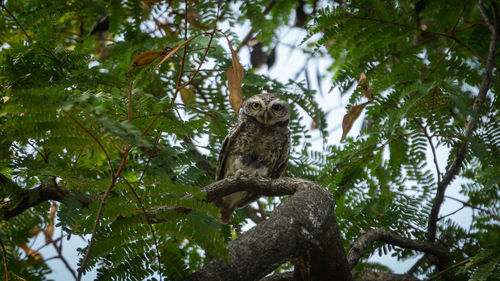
[
  {"x": 365, "y": 87},
  {"x": 236, "y": 65},
  {"x": 350, "y": 117},
  {"x": 49, "y": 232},
  {"x": 234, "y": 86}
]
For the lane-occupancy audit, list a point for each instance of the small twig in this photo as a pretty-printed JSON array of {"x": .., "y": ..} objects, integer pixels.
[
  {"x": 112, "y": 183},
  {"x": 95, "y": 139},
  {"x": 419, "y": 262},
  {"x": 60, "y": 255},
  {"x": 215, "y": 69},
  {"x": 435, "y": 276},
  {"x": 4, "y": 254},
  {"x": 205, "y": 53},
  {"x": 458, "y": 20},
  {"x": 151, "y": 155},
  {"x": 381, "y": 235},
  {"x": 181, "y": 72},
  {"x": 434, "y": 156},
  {"x": 153, "y": 234},
  {"x": 17, "y": 22},
  {"x": 452, "y": 213},
  {"x": 130, "y": 88},
  {"x": 465, "y": 204}
]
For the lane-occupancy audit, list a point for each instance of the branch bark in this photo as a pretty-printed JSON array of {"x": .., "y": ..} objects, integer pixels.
[
  {"x": 471, "y": 124},
  {"x": 382, "y": 235},
  {"x": 292, "y": 229},
  {"x": 367, "y": 275},
  {"x": 29, "y": 198},
  {"x": 382, "y": 276}
]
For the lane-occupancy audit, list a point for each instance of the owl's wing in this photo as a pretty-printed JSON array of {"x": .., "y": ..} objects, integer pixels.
[
  {"x": 282, "y": 162},
  {"x": 226, "y": 144}
]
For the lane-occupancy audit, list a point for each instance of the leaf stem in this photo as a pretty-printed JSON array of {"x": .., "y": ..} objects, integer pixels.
[{"x": 2, "y": 4}]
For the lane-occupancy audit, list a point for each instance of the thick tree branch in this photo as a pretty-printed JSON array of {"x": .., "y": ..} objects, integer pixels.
[
  {"x": 382, "y": 235},
  {"x": 291, "y": 230},
  {"x": 382, "y": 276},
  {"x": 367, "y": 275},
  {"x": 28, "y": 198},
  {"x": 285, "y": 276},
  {"x": 469, "y": 129}
]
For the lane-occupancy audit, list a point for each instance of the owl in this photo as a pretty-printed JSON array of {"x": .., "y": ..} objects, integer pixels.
[{"x": 257, "y": 145}]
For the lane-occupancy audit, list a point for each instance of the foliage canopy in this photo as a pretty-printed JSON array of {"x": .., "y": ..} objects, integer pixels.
[{"x": 123, "y": 139}]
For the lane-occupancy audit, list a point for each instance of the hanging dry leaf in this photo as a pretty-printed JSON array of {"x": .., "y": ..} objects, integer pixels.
[
  {"x": 314, "y": 126},
  {"x": 234, "y": 86},
  {"x": 49, "y": 231},
  {"x": 350, "y": 117},
  {"x": 146, "y": 58},
  {"x": 174, "y": 50},
  {"x": 364, "y": 86},
  {"x": 238, "y": 69},
  {"x": 30, "y": 252},
  {"x": 187, "y": 96}
]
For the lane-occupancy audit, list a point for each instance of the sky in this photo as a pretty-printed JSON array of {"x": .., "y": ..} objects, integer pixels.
[{"x": 289, "y": 61}]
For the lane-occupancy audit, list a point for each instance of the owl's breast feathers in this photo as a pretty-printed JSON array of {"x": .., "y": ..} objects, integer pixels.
[{"x": 258, "y": 150}]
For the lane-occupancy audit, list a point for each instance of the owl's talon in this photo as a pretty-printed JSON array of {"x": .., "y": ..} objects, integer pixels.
[{"x": 241, "y": 174}]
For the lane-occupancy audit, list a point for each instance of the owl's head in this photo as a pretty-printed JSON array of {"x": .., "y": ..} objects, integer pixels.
[{"x": 267, "y": 109}]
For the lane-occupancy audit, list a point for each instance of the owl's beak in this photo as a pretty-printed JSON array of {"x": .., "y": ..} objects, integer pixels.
[{"x": 266, "y": 116}]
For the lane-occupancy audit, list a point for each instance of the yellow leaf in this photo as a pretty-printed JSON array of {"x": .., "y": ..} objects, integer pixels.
[
  {"x": 146, "y": 58},
  {"x": 350, "y": 117},
  {"x": 234, "y": 86},
  {"x": 187, "y": 96}
]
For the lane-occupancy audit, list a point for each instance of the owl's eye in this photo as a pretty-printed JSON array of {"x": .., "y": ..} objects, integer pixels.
[
  {"x": 277, "y": 107},
  {"x": 255, "y": 106}
]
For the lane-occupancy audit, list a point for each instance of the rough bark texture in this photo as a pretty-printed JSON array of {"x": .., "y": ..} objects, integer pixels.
[
  {"x": 382, "y": 235},
  {"x": 290, "y": 231},
  {"x": 382, "y": 276}
]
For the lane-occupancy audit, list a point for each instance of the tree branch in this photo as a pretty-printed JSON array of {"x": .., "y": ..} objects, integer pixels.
[
  {"x": 383, "y": 276},
  {"x": 285, "y": 276},
  {"x": 31, "y": 197},
  {"x": 382, "y": 235},
  {"x": 289, "y": 232},
  {"x": 471, "y": 125}
]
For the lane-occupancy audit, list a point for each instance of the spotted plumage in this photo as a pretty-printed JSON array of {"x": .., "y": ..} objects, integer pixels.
[{"x": 258, "y": 144}]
